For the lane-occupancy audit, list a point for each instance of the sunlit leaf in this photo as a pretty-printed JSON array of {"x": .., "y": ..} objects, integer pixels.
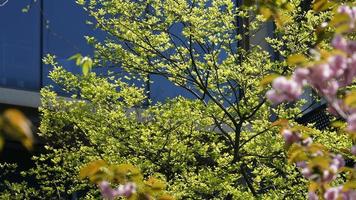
[
  {"x": 86, "y": 65},
  {"x": 350, "y": 185},
  {"x": 166, "y": 197},
  {"x": 281, "y": 19},
  {"x": 338, "y": 124},
  {"x": 268, "y": 79},
  {"x": 350, "y": 99},
  {"x": 340, "y": 18},
  {"x": 342, "y": 28},
  {"x": 156, "y": 184},
  {"x": 341, "y": 22},
  {"x": 91, "y": 168},
  {"x": 313, "y": 186},
  {"x": 77, "y": 57},
  {"x": 280, "y": 122},
  {"x": 18, "y": 127},
  {"x": 316, "y": 147},
  {"x": 296, "y": 154},
  {"x": 321, "y": 5},
  {"x": 266, "y": 12},
  {"x": 296, "y": 59},
  {"x": 126, "y": 172},
  {"x": 321, "y": 161},
  {"x": 302, "y": 128}
]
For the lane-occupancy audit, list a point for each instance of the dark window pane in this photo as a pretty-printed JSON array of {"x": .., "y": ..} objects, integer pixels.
[
  {"x": 64, "y": 31},
  {"x": 19, "y": 46},
  {"x": 162, "y": 89}
]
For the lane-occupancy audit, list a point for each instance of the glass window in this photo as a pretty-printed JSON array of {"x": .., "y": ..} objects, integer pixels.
[
  {"x": 19, "y": 46},
  {"x": 162, "y": 89},
  {"x": 64, "y": 30}
]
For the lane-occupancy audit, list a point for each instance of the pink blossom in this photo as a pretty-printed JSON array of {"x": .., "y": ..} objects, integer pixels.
[
  {"x": 284, "y": 90},
  {"x": 330, "y": 89},
  {"x": 312, "y": 196},
  {"x": 307, "y": 172},
  {"x": 307, "y": 141},
  {"x": 300, "y": 75},
  {"x": 349, "y": 195},
  {"x": 123, "y": 190},
  {"x": 290, "y": 137},
  {"x": 340, "y": 43},
  {"x": 351, "y": 123},
  {"x": 338, "y": 64},
  {"x": 106, "y": 191},
  {"x": 301, "y": 164},
  {"x": 320, "y": 73},
  {"x": 332, "y": 193},
  {"x": 129, "y": 189},
  {"x": 351, "y": 47},
  {"x": 274, "y": 97},
  {"x": 337, "y": 162},
  {"x": 353, "y": 150},
  {"x": 327, "y": 176},
  {"x": 284, "y": 85}
]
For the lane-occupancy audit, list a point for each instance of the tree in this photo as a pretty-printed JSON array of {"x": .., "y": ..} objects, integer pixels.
[{"x": 221, "y": 143}]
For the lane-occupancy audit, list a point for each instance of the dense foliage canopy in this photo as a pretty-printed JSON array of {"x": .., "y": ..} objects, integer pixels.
[{"x": 219, "y": 144}]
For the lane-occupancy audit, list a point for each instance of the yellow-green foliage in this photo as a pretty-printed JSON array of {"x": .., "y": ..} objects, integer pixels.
[{"x": 219, "y": 145}]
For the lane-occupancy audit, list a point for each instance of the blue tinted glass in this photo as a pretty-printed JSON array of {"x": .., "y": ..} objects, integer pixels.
[
  {"x": 19, "y": 46},
  {"x": 162, "y": 89},
  {"x": 64, "y": 30},
  {"x": 64, "y": 33}
]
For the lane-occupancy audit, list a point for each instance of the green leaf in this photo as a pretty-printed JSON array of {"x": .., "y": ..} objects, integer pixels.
[
  {"x": 341, "y": 22},
  {"x": 91, "y": 169},
  {"x": 338, "y": 124},
  {"x": 77, "y": 57},
  {"x": 321, "y": 161},
  {"x": 342, "y": 28},
  {"x": 296, "y": 154},
  {"x": 340, "y": 18},
  {"x": 268, "y": 79},
  {"x": 322, "y": 5},
  {"x": 301, "y": 128},
  {"x": 350, "y": 185},
  {"x": 266, "y": 12},
  {"x": 350, "y": 99},
  {"x": 126, "y": 172},
  {"x": 280, "y": 122},
  {"x": 80, "y": 2},
  {"x": 166, "y": 197},
  {"x": 315, "y": 147},
  {"x": 156, "y": 184},
  {"x": 86, "y": 65},
  {"x": 296, "y": 59}
]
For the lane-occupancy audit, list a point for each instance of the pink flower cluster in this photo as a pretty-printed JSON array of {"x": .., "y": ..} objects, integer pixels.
[
  {"x": 291, "y": 137},
  {"x": 122, "y": 191},
  {"x": 325, "y": 175},
  {"x": 326, "y": 77},
  {"x": 335, "y": 193},
  {"x": 338, "y": 71},
  {"x": 320, "y": 175}
]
